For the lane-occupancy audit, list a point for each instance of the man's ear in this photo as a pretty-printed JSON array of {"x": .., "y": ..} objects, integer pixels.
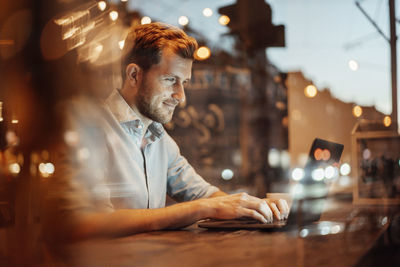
[{"x": 133, "y": 73}]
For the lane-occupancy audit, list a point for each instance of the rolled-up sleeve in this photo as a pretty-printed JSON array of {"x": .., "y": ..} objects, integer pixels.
[{"x": 183, "y": 183}]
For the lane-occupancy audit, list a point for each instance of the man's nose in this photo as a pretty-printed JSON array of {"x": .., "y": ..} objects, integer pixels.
[{"x": 179, "y": 93}]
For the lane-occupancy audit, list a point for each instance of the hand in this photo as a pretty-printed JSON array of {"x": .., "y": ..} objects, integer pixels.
[
  {"x": 241, "y": 205},
  {"x": 279, "y": 207}
]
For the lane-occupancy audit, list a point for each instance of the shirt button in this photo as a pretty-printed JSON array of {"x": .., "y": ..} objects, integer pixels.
[{"x": 139, "y": 126}]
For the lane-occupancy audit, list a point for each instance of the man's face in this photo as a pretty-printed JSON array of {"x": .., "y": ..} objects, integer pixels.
[{"x": 162, "y": 87}]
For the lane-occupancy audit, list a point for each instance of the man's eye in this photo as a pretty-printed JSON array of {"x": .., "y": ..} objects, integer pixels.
[{"x": 170, "y": 79}]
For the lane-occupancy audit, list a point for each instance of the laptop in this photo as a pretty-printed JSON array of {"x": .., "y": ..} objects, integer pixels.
[{"x": 308, "y": 195}]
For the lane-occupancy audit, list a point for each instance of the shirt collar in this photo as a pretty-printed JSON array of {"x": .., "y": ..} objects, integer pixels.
[{"x": 125, "y": 114}]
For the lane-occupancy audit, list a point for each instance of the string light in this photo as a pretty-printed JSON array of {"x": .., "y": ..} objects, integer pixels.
[
  {"x": 183, "y": 20},
  {"x": 353, "y": 65},
  {"x": 14, "y": 168},
  {"x": 207, "y": 12},
  {"x": 145, "y": 20},
  {"x": 46, "y": 169},
  {"x": 102, "y": 5},
  {"x": 224, "y": 20},
  {"x": 310, "y": 91},
  {"x": 387, "y": 121},
  {"x": 203, "y": 53},
  {"x": 357, "y": 111},
  {"x": 114, "y": 15}
]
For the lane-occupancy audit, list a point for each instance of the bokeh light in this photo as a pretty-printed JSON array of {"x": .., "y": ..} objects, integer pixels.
[
  {"x": 345, "y": 169},
  {"x": 46, "y": 169},
  {"x": 145, "y": 20},
  {"x": 203, "y": 53},
  {"x": 366, "y": 154},
  {"x": 318, "y": 174},
  {"x": 387, "y": 121},
  {"x": 207, "y": 12},
  {"x": 331, "y": 172},
  {"x": 114, "y": 15},
  {"x": 353, "y": 65},
  {"x": 297, "y": 174},
  {"x": 224, "y": 20},
  {"x": 227, "y": 174},
  {"x": 121, "y": 44},
  {"x": 318, "y": 154},
  {"x": 14, "y": 168},
  {"x": 357, "y": 111},
  {"x": 304, "y": 233},
  {"x": 310, "y": 91},
  {"x": 102, "y": 5},
  {"x": 83, "y": 154},
  {"x": 326, "y": 154},
  {"x": 183, "y": 20},
  {"x": 274, "y": 157}
]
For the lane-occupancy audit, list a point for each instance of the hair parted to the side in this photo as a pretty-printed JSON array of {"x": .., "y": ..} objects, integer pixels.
[{"x": 144, "y": 44}]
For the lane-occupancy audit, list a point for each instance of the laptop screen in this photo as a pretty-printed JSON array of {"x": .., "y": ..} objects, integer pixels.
[{"x": 310, "y": 194}]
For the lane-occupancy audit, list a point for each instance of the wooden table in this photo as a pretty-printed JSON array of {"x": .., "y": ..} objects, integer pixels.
[{"x": 195, "y": 246}]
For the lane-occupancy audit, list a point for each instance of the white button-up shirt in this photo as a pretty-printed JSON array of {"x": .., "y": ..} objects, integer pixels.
[{"x": 118, "y": 174}]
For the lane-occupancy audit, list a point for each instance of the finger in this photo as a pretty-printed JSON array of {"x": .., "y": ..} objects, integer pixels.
[
  {"x": 283, "y": 207},
  {"x": 260, "y": 206},
  {"x": 244, "y": 212},
  {"x": 275, "y": 210},
  {"x": 265, "y": 210},
  {"x": 287, "y": 208}
]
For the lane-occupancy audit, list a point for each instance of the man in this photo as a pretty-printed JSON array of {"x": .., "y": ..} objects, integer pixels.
[{"x": 142, "y": 164}]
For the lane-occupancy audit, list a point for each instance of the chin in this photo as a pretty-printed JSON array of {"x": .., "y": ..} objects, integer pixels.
[{"x": 163, "y": 119}]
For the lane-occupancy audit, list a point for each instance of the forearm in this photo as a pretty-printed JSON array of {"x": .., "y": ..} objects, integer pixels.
[{"x": 125, "y": 222}]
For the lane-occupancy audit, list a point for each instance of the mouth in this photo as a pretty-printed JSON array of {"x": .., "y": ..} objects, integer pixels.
[{"x": 169, "y": 104}]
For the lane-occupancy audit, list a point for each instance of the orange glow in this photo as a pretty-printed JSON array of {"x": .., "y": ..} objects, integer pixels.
[
  {"x": 285, "y": 121},
  {"x": 322, "y": 154},
  {"x": 326, "y": 154},
  {"x": 224, "y": 20},
  {"x": 357, "y": 111},
  {"x": 203, "y": 53},
  {"x": 387, "y": 121},
  {"x": 310, "y": 91},
  {"x": 318, "y": 154}
]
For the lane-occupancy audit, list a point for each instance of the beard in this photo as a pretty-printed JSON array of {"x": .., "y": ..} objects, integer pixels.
[{"x": 152, "y": 106}]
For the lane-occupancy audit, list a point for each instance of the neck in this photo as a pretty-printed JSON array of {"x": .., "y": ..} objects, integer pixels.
[
  {"x": 146, "y": 121},
  {"x": 129, "y": 97}
]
